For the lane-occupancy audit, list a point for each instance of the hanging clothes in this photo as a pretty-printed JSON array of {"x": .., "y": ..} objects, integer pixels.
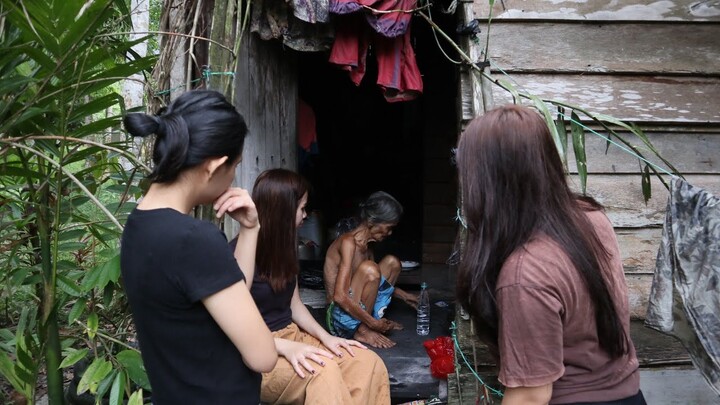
[
  {"x": 303, "y": 25},
  {"x": 307, "y": 134},
  {"x": 685, "y": 294},
  {"x": 388, "y": 33},
  {"x": 383, "y": 21},
  {"x": 312, "y": 11}
]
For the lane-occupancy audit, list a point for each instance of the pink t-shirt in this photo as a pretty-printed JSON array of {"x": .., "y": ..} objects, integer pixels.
[{"x": 547, "y": 331}]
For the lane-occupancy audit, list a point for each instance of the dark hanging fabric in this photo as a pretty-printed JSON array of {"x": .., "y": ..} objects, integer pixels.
[
  {"x": 685, "y": 294},
  {"x": 303, "y": 25}
]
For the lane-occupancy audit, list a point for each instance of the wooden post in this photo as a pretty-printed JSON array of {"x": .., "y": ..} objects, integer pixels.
[
  {"x": 476, "y": 98},
  {"x": 266, "y": 93}
]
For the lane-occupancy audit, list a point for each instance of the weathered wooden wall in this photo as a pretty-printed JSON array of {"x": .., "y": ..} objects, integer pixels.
[
  {"x": 266, "y": 93},
  {"x": 656, "y": 64}
]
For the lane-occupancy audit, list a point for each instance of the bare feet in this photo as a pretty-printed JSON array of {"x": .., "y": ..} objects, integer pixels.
[{"x": 372, "y": 338}]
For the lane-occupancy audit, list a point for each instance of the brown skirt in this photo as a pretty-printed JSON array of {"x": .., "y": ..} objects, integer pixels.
[{"x": 362, "y": 379}]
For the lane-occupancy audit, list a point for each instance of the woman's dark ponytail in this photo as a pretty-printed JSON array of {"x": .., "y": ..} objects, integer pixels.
[{"x": 198, "y": 125}]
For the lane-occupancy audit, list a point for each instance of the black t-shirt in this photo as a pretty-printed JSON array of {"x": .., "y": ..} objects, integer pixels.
[
  {"x": 274, "y": 306},
  {"x": 170, "y": 262}
]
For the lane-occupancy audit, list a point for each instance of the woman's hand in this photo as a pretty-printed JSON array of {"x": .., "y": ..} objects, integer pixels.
[
  {"x": 335, "y": 344},
  {"x": 237, "y": 203},
  {"x": 300, "y": 354}
]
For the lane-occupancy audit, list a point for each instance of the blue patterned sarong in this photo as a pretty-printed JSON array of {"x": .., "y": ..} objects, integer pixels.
[{"x": 342, "y": 324}]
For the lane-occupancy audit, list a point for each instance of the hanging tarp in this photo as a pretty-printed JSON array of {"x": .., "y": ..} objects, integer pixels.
[{"x": 685, "y": 294}]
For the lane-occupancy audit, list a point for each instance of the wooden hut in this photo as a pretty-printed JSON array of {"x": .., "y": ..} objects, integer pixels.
[{"x": 655, "y": 64}]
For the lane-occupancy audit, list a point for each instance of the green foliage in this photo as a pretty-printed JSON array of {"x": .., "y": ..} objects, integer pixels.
[{"x": 65, "y": 189}]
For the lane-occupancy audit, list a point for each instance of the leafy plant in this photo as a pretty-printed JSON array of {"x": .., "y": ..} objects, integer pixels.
[{"x": 64, "y": 195}]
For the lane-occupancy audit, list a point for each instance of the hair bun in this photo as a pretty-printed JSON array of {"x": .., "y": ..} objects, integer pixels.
[
  {"x": 161, "y": 127},
  {"x": 140, "y": 124}
]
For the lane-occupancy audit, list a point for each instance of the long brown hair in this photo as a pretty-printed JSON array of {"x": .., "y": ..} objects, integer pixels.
[
  {"x": 277, "y": 193},
  {"x": 513, "y": 186}
]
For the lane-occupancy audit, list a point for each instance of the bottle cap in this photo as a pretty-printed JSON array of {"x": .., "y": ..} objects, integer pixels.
[{"x": 423, "y": 285}]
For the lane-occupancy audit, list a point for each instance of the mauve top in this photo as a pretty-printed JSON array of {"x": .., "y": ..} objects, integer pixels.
[{"x": 547, "y": 331}]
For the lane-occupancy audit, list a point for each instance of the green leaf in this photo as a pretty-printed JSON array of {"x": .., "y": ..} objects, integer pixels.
[
  {"x": 112, "y": 267},
  {"x": 136, "y": 398},
  {"x": 509, "y": 87},
  {"x": 16, "y": 171},
  {"x": 79, "y": 200},
  {"x": 73, "y": 357},
  {"x": 24, "y": 358},
  {"x": 108, "y": 293},
  {"x": 91, "y": 279},
  {"x": 97, "y": 127},
  {"x": 117, "y": 392},
  {"x": 24, "y": 376},
  {"x": 540, "y": 105},
  {"x": 92, "y": 376},
  {"x": 7, "y": 369},
  {"x": 132, "y": 363},
  {"x": 68, "y": 286},
  {"x": 71, "y": 246},
  {"x": 105, "y": 384},
  {"x": 92, "y": 324},
  {"x": 578, "y": 136},
  {"x": 645, "y": 181},
  {"x": 101, "y": 275},
  {"x": 562, "y": 134},
  {"x": 74, "y": 234},
  {"x": 77, "y": 310},
  {"x": 87, "y": 23},
  {"x": 20, "y": 275},
  {"x": 30, "y": 113}
]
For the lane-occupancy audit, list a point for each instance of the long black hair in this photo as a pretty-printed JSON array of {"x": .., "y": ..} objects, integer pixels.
[
  {"x": 277, "y": 194},
  {"x": 199, "y": 124},
  {"x": 513, "y": 186}
]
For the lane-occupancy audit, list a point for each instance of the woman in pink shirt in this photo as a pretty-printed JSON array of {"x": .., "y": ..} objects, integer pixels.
[{"x": 541, "y": 273}]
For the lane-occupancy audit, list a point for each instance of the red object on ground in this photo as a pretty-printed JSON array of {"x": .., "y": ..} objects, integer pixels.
[{"x": 442, "y": 353}]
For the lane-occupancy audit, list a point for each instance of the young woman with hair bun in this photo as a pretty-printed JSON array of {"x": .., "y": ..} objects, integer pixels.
[{"x": 201, "y": 336}]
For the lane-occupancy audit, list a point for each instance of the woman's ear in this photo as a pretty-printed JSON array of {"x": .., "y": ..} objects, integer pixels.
[{"x": 213, "y": 164}]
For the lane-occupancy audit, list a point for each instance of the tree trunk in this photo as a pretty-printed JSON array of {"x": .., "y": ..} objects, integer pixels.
[
  {"x": 49, "y": 333},
  {"x": 133, "y": 90}
]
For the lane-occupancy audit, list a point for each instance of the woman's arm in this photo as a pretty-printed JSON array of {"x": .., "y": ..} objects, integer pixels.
[
  {"x": 245, "y": 251},
  {"x": 235, "y": 312},
  {"x": 237, "y": 203},
  {"x": 527, "y": 395}
]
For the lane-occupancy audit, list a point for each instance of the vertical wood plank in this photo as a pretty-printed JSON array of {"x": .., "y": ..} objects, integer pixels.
[{"x": 266, "y": 93}]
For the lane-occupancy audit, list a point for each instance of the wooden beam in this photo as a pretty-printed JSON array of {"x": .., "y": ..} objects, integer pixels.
[
  {"x": 666, "y": 99},
  {"x": 632, "y": 48},
  {"x": 622, "y": 197},
  {"x": 689, "y": 152},
  {"x": 616, "y": 10}
]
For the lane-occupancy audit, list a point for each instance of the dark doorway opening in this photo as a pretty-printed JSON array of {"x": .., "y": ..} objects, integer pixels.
[{"x": 366, "y": 144}]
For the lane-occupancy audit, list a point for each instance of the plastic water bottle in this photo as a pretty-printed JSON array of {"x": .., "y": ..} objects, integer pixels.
[{"x": 423, "y": 311}]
